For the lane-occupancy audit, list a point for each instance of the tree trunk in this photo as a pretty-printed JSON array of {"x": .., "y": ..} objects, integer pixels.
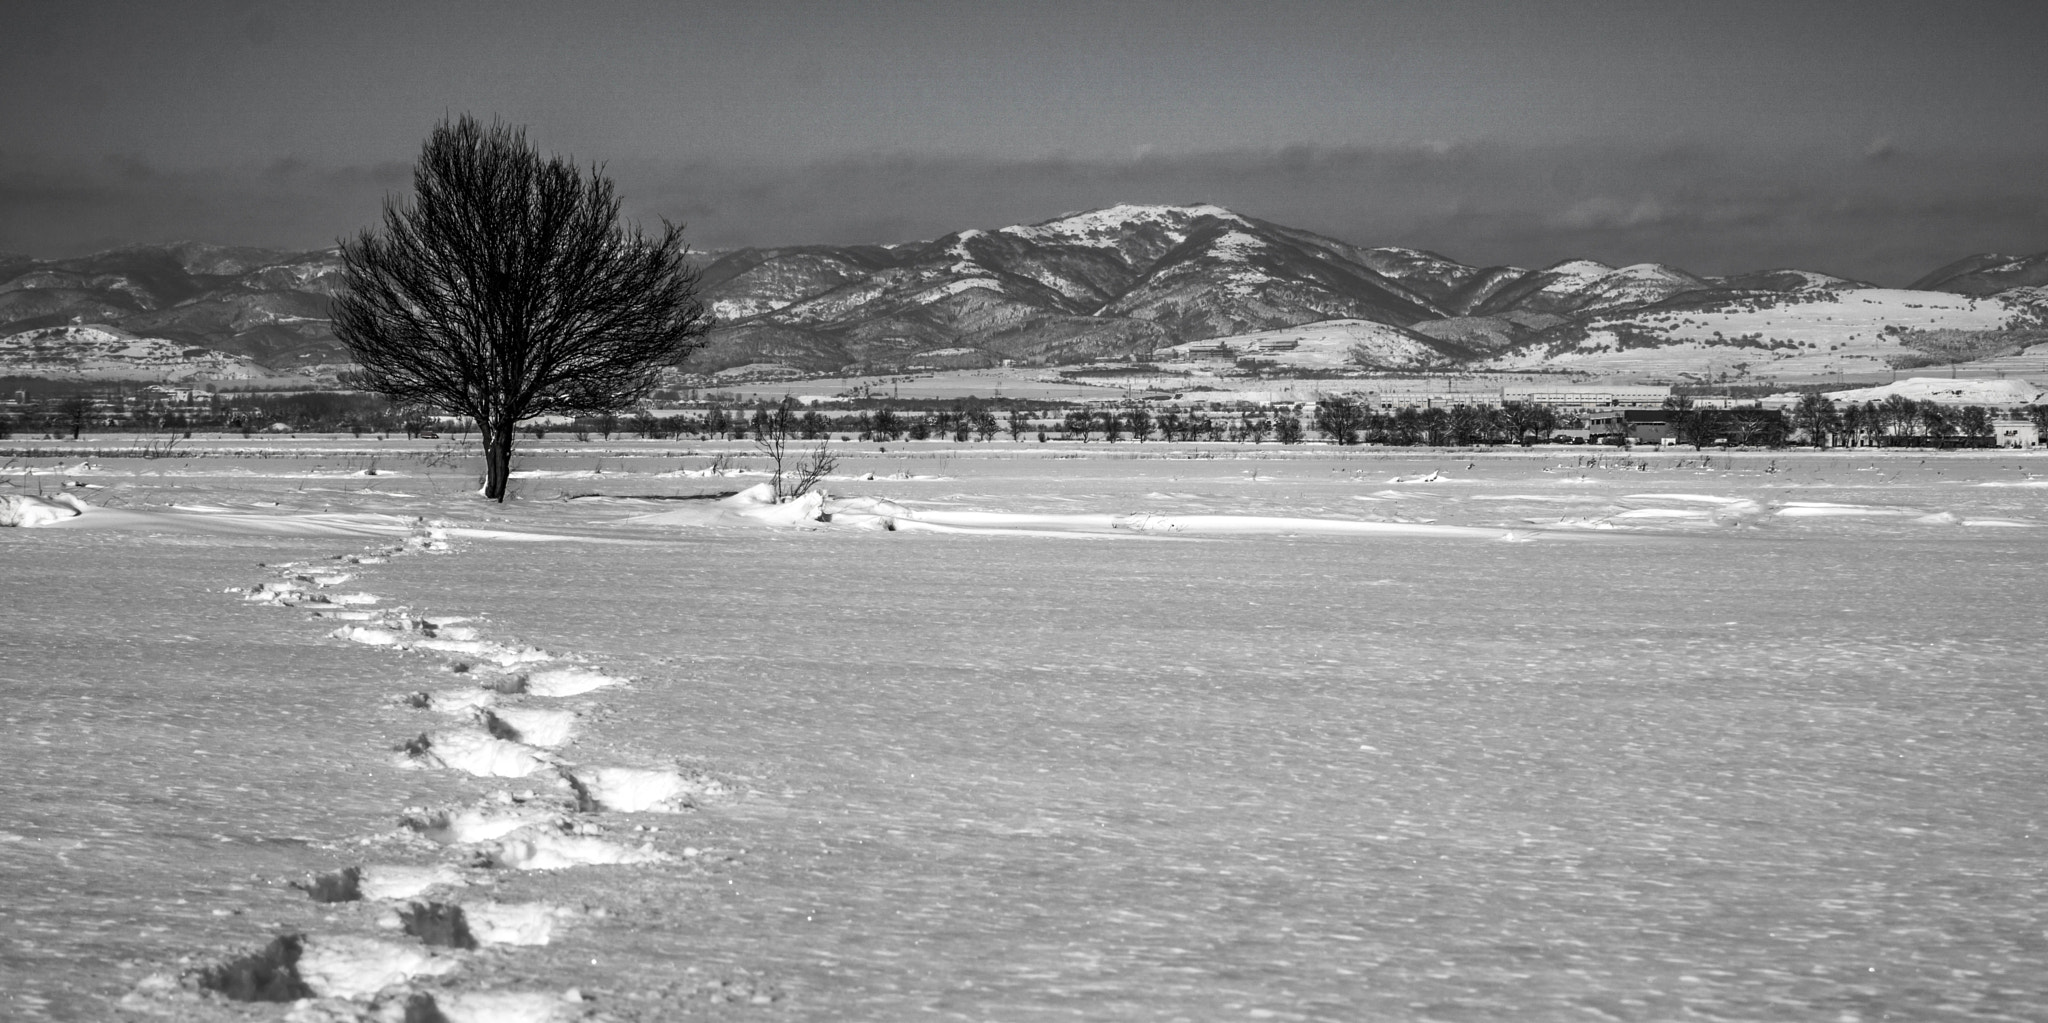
[{"x": 497, "y": 460}]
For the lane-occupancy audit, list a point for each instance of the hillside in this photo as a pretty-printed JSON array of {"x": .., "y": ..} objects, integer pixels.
[
  {"x": 228, "y": 313},
  {"x": 1122, "y": 281}
]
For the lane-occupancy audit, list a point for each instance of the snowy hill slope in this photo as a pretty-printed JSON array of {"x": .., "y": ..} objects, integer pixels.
[
  {"x": 1816, "y": 333},
  {"x": 1988, "y": 274},
  {"x": 1333, "y": 344},
  {"x": 97, "y": 351},
  {"x": 252, "y": 306}
]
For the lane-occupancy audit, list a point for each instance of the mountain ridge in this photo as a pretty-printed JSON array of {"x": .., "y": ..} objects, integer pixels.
[{"x": 1123, "y": 280}]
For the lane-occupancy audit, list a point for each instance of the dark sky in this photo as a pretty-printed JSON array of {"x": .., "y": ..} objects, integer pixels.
[{"x": 1870, "y": 139}]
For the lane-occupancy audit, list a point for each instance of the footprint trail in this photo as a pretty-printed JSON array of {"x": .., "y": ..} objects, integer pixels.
[{"x": 519, "y": 718}]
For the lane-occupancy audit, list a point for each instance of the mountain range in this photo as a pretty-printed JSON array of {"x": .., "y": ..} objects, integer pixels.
[{"x": 1121, "y": 281}]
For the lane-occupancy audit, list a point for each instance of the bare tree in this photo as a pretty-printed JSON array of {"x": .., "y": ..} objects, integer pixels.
[
  {"x": 1816, "y": 414},
  {"x": 75, "y": 411},
  {"x": 791, "y": 475},
  {"x": 507, "y": 288}
]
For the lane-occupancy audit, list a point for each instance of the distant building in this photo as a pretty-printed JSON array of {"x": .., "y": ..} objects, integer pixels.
[
  {"x": 1590, "y": 396},
  {"x": 2016, "y": 433},
  {"x": 1639, "y": 426}
]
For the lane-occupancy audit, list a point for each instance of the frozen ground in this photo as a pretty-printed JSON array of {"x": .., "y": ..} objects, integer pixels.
[{"x": 1087, "y": 735}]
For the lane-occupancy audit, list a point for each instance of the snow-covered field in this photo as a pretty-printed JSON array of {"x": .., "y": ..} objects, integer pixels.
[{"x": 1104, "y": 732}]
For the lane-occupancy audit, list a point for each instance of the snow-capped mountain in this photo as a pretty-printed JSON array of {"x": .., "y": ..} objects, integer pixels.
[
  {"x": 1988, "y": 274},
  {"x": 1123, "y": 280},
  {"x": 217, "y": 311}
]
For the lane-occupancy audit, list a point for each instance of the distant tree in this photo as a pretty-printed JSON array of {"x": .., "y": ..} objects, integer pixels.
[
  {"x": 645, "y": 424},
  {"x": 812, "y": 425},
  {"x": 2039, "y": 415},
  {"x": 985, "y": 425},
  {"x": 1935, "y": 420},
  {"x": 1851, "y": 418},
  {"x": 1339, "y": 419},
  {"x": 1436, "y": 424},
  {"x": 1168, "y": 423},
  {"x": 1016, "y": 423},
  {"x": 886, "y": 425},
  {"x": 1139, "y": 420},
  {"x": 1112, "y": 426},
  {"x": 1528, "y": 419},
  {"x": 1255, "y": 427},
  {"x": 75, "y": 411},
  {"x": 1079, "y": 423},
  {"x": 1287, "y": 428},
  {"x": 1816, "y": 414},
  {"x": 1873, "y": 423},
  {"x": 1900, "y": 415},
  {"x": 1465, "y": 424},
  {"x": 1974, "y": 422},
  {"x": 507, "y": 289}
]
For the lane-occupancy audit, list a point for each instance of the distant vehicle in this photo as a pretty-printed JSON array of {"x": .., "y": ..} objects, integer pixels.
[{"x": 429, "y": 435}]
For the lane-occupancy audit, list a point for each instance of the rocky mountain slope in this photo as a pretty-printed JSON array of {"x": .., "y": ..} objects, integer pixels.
[
  {"x": 1126, "y": 280},
  {"x": 197, "y": 311}
]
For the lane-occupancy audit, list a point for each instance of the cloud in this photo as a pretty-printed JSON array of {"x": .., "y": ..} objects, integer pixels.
[
  {"x": 52, "y": 208},
  {"x": 1710, "y": 210},
  {"x": 1706, "y": 209}
]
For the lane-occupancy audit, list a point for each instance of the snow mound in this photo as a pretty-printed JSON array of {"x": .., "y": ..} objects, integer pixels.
[
  {"x": 391, "y": 882},
  {"x": 553, "y": 850},
  {"x": 560, "y": 682},
  {"x": 369, "y": 635},
  {"x": 462, "y": 827},
  {"x": 753, "y": 506},
  {"x": 504, "y": 1007},
  {"x": 475, "y": 753},
  {"x": 490, "y": 653},
  {"x": 534, "y": 726},
  {"x": 378, "y": 883},
  {"x": 512, "y": 923},
  {"x": 30, "y": 511},
  {"x": 632, "y": 789},
  {"x": 344, "y": 966}
]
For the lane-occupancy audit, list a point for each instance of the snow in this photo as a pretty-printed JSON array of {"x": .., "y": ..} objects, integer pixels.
[
  {"x": 1263, "y": 735},
  {"x": 1105, "y": 228},
  {"x": 1810, "y": 334},
  {"x": 1325, "y": 344},
  {"x": 350, "y": 967},
  {"x": 475, "y": 753},
  {"x": 31, "y": 510},
  {"x": 948, "y": 289},
  {"x": 553, "y": 850},
  {"x": 629, "y": 789},
  {"x": 1949, "y": 391},
  {"x": 99, "y": 351},
  {"x": 1575, "y": 275},
  {"x": 572, "y": 681},
  {"x": 533, "y": 726}
]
